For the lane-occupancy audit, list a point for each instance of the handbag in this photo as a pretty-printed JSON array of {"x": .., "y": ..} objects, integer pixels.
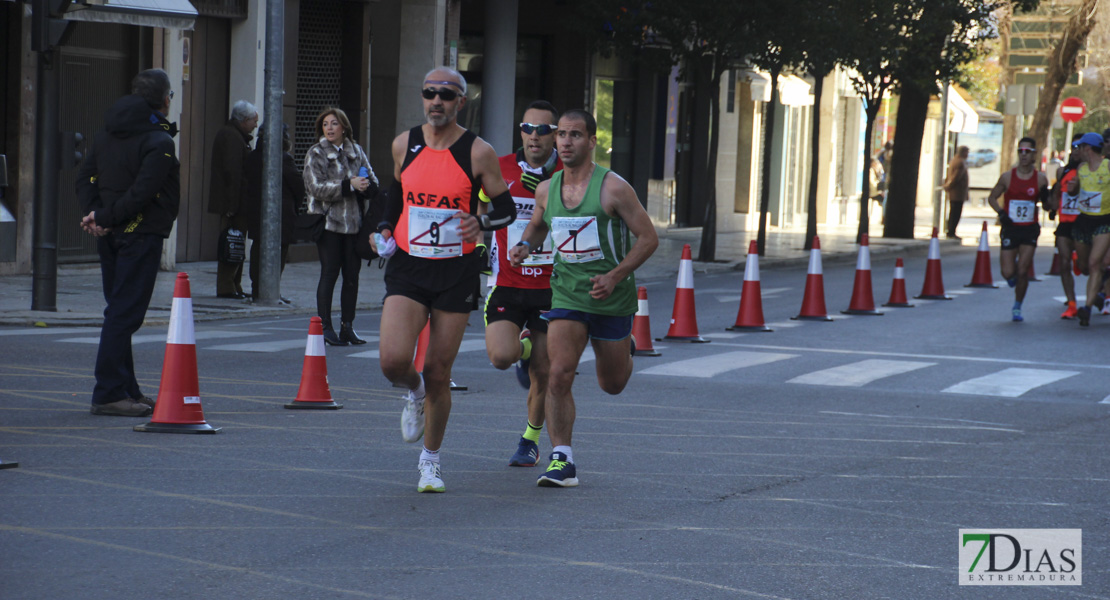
[
  {"x": 233, "y": 246},
  {"x": 308, "y": 227}
]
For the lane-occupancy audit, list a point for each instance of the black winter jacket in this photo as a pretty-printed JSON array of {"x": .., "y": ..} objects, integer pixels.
[{"x": 131, "y": 176}]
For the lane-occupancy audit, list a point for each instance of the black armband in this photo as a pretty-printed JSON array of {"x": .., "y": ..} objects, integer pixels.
[
  {"x": 391, "y": 206},
  {"x": 502, "y": 212}
]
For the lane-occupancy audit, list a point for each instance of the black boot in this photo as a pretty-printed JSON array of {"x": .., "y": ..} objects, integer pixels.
[
  {"x": 347, "y": 334},
  {"x": 329, "y": 335}
]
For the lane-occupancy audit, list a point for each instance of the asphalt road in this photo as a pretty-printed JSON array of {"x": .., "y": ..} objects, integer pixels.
[{"x": 822, "y": 460}]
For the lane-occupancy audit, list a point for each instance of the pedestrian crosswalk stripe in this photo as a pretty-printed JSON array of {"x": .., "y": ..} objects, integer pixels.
[
  {"x": 709, "y": 366},
  {"x": 959, "y": 292},
  {"x": 465, "y": 346},
  {"x": 1008, "y": 383},
  {"x": 860, "y": 373},
  {"x": 784, "y": 324},
  {"x": 722, "y": 336},
  {"x": 161, "y": 337},
  {"x": 270, "y": 346},
  {"x": 47, "y": 330}
]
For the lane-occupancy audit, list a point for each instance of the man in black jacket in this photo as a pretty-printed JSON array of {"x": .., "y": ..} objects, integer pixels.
[{"x": 129, "y": 189}]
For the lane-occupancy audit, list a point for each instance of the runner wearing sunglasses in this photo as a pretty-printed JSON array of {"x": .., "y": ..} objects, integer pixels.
[
  {"x": 1092, "y": 228},
  {"x": 590, "y": 213},
  {"x": 515, "y": 329},
  {"x": 1021, "y": 189},
  {"x": 432, "y": 215}
]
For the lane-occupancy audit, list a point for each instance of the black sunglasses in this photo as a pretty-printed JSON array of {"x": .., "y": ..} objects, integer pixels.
[
  {"x": 544, "y": 129},
  {"x": 446, "y": 94},
  {"x": 1026, "y": 150}
]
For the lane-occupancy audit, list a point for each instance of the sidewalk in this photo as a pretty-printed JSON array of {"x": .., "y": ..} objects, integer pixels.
[{"x": 80, "y": 301}]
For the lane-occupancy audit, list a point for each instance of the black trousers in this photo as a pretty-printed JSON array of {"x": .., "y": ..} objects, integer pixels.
[
  {"x": 128, "y": 268},
  {"x": 955, "y": 209},
  {"x": 337, "y": 253},
  {"x": 229, "y": 276}
]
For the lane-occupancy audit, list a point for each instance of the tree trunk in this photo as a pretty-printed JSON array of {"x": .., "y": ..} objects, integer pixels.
[
  {"x": 913, "y": 109},
  {"x": 872, "y": 112},
  {"x": 814, "y": 161},
  {"x": 1061, "y": 65},
  {"x": 707, "y": 251},
  {"x": 768, "y": 140}
]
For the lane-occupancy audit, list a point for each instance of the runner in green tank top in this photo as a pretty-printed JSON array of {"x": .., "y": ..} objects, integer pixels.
[{"x": 589, "y": 212}]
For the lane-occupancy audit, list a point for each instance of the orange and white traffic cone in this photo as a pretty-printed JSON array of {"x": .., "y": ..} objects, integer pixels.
[
  {"x": 981, "y": 278},
  {"x": 813, "y": 303},
  {"x": 641, "y": 325},
  {"x": 750, "y": 315},
  {"x": 933, "y": 288},
  {"x": 1055, "y": 268},
  {"x": 314, "y": 392},
  {"x": 178, "y": 408},
  {"x": 422, "y": 351},
  {"x": 684, "y": 319},
  {"x": 898, "y": 297},
  {"x": 863, "y": 299}
]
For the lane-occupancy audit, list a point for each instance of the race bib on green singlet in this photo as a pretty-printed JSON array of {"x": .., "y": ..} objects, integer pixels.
[
  {"x": 433, "y": 233},
  {"x": 1090, "y": 202},
  {"x": 1022, "y": 211},
  {"x": 540, "y": 255},
  {"x": 576, "y": 238}
]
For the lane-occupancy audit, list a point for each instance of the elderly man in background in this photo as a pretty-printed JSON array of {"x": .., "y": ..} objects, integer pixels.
[
  {"x": 229, "y": 153},
  {"x": 956, "y": 185}
]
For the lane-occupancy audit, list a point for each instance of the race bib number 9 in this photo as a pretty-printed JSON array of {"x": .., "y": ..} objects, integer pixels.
[
  {"x": 576, "y": 238},
  {"x": 433, "y": 233},
  {"x": 1090, "y": 202},
  {"x": 1022, "y": 211},
  {"x": 540, "y": 255}
]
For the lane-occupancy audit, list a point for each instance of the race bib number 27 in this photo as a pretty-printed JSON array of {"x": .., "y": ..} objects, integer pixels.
[{"x": 576, "y": 238}]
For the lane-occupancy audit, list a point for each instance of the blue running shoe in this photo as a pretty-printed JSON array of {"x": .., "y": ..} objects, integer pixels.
[
  {"x": 1084, "y": 315},
  {"x": 522, "y": 376},
  {"x": 1017, "y": 315},
  {"x": 1100, "y": 300},
  {"x": 1012, "y": 282},
  {"x": 560, "y": 473},
  {"x": 527, "y": 453}
]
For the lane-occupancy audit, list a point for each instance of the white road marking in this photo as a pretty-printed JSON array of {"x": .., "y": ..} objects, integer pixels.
[
  {"x": 587, "y": 355},
  {"x": 161, "y": 337},
  {"x": 270, "y": 346},
  {"x": 722, "y": 336},
  {"x": 466, "y": 346},
  {"x": 1105, "y": 400},
  {"x": 784, "y": 324},
  {"x": 1008, "y": 383},
  {"x": 986, "y": 359},
  {"x": 48, "y": 331},
  {"x": 959, "y": 292},
  {"x": 860, "y": 373},
  {"x": 768, "y": 293},
  {"x": 709, "y": 366}
]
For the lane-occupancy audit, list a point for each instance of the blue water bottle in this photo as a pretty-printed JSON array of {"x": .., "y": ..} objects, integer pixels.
[{"x": 362, "y": 172}]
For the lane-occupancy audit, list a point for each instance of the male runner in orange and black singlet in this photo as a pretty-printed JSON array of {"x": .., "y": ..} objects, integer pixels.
[
  {"x": 432, "y": 216},
  {"x": 515, "y": 329}
]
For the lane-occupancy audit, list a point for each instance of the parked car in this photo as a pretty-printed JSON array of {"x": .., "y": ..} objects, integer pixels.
[{"x": 980, "y": 157}]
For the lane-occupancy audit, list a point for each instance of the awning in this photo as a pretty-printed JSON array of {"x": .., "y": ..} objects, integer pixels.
[
  {"x": 171, "y": 14},
  {"x": 793, "y": 90},
  {"x": 962, "y": 117}
]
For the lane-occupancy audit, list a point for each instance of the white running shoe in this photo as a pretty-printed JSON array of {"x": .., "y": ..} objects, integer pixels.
[
  {"x": 412, "y": 419},
  {"x": 430, "y": 480},
  {"x": 1106, "y": 308}
]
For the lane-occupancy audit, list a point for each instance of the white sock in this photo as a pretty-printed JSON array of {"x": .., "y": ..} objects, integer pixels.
[
  {"x": 419, "y": 392},
  {"x": 565, "y": 450},
  {"x": 430, "y": 455}
]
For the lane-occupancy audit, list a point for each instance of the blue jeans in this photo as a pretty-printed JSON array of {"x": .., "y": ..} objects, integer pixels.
[{"x": 128, "y": 268}]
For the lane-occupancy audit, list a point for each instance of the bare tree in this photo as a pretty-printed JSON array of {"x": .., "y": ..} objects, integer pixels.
[{"x": 1061, "y": 65}]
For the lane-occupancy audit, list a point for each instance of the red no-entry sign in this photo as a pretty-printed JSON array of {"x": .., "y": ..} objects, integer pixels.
[{"x": 1072, "y": 109}]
